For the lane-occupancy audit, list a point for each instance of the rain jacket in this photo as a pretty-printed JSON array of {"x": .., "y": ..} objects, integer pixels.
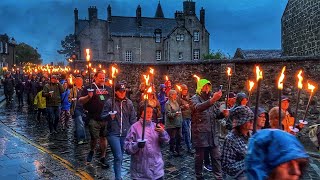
[
  {"x": 65, "y": 102},
  {"x": 40, "y": 101},
  {"x": 57, "y": 89},
  {"x": 146, "y": 163},
  {"x": 204, "y": 117},
  {"x": 162, "y": 98},
  {"x": 173, "y": 120},
  {"x": 125, "y": 117},
  {"x": 269, "y": 148}
]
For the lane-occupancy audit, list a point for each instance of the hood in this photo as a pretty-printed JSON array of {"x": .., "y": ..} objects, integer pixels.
[
  {"x": 269, "y": 148},
  {"x": 161, "y": 88},
  {"x": 200, "y": 85},
  {"x": 240, "y": 96}
]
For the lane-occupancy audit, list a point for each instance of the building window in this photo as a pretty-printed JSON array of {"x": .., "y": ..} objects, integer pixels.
[
  {"x": 196, "y": 54},
  {"x": 158, "y": 38},
  {"x": 6, "y": 48},
  {"x": 196, "y": 36},
  {"x": 128, "y": 56},
  {"x": 1, "y": 47},
  {"x": 180, "y": 37},
  {"x": 158, "y": 55},
  {"x": 180, "y": 55}
]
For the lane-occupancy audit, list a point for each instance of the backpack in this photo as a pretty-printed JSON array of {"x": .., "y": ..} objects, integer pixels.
[{"x": 313, "y": 134}]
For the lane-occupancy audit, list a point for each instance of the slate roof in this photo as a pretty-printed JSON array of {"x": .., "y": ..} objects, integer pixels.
[
  {"x": 257, "y": 54},
  {"x": 127, "y": 26}
]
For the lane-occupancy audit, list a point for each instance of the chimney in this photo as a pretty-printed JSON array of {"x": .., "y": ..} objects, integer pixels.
[
  {"x": 109, "y": 13},
  {"x": 179, "y": 16},
  {"x": 138, "y": 15},
  {"x": 202, "y": 16},
  {"x": 93, "y": 12},
  {"x": 189, "y": 7},
  {"x": 76, "y": 20}
]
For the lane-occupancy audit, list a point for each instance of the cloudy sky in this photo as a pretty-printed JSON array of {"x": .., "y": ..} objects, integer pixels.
[{"x": 248, "y": 24}]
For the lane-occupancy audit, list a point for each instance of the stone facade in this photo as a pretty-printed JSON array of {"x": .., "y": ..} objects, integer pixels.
[
  {"x": 301, "y": 28},
  {"x": 243, "y": 70},
  {"x": 6, "y": 51},
  {"x": 143, "y": 39}
]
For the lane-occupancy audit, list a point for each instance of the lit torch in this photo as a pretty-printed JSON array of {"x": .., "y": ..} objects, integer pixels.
[
  {"x": 300, "y": 85},
  {"x": 280, "y": 87},
  {"x": 259, "y": 77},
  {"x": 179, "y": 88},
  {"x": 151, "y": 71},
  {"x": 229, "y": 73},
  {"x": 114, "y": 71},
  {"x": 197, "y": 77},
  {"x": 311, "y": 88},
  {"x": 251, "y": 84}
]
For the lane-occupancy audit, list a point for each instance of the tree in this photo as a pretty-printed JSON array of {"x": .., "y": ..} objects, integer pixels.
[
  {"x": 214, "y": 55},
  {"x": 68, "y": 46},
  {"x": 25, "y": 53}
]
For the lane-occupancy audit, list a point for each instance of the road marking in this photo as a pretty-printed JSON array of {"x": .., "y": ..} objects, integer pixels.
[
  {"x": 80, "y": 173},
  {"x": 316, "y": 168}
]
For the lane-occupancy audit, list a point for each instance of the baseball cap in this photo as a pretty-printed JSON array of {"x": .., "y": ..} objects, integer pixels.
[
  {"x": 285, "y": 98},
  {"x": 120, "y": 87}
]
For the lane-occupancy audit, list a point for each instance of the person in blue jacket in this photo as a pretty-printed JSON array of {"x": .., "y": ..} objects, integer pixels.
[{"x": 275, "y": 154}]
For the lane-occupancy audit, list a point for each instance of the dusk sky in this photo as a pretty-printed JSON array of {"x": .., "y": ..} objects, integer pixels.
[{"x": 246, "y": 24}]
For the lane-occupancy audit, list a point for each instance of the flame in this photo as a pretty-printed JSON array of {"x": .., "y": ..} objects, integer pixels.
[
  {"x": 100, "y": 66},
  {"x": 146, "y": 77},
  {"x": 94, "y": 70},
  {"x": 89, "y": 65},
  {"x": 88, "y": 54},
  {"x": 70, "y": 79},
  {"x": 114, "y": 72},
  {"x": 167, "y": 78},
  {"x": 110, "y": 81},
  {"x": 311, "y": 87},
  {"x": 300, "y": 79},
  {"x": 36, "y": 70},
  {"x": 229, "y": 71},
  {"x": 104, "y": 71},
  {"x": 258, "y": 73},
  {"x": 149, "y": 90},
  {"x": 281, "y": 78},
  {"x": 179, "y": 87},
  {"x": 197, "y": 77},
  {"x": 251, "y": 84},
  {"x": 145, "y": 96},
  {"x": 151, "y": 71}
]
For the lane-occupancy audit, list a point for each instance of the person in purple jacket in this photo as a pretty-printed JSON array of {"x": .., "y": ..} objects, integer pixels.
[{"x": 146, "y": 162}]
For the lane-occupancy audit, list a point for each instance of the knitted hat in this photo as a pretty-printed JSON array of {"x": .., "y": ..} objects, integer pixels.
[{"x": 240, "y": 115}]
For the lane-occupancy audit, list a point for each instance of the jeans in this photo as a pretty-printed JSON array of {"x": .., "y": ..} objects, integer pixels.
[
  {"x": 80, "y": 129},
  {"x": 186, "y": 128},
  {"x": 53, "y": 117},
  {"x": 215, "y": 159},
  {"x": 116, "y": 144}
]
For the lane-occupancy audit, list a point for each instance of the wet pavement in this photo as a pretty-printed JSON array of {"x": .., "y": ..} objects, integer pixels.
[{"x": 27, "y": 151}]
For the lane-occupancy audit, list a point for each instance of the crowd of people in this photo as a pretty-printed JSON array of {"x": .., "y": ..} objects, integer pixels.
[{"x": 218, "y": 135}]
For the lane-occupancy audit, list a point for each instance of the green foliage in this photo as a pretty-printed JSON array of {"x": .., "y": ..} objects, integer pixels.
[
  {"x": 68, "y": 46},
  {"x": 214, "y": 55},
  {"x": 25, "y": 53}
]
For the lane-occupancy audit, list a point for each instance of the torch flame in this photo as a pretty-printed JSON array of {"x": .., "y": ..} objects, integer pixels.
[
  {"x": 258, "y": 73},
  {"x": 88, "y": 54},
  {"x": 146, "y": 77},
  {"x": 149, "y": 90},
  {"x": 100, "y": 66},
  {"x": 280, "y": 82},
  {"x": 229, "y": 71},
  {"x": 104, "y": 71},
  {"x": 89, "y": 65},
  {"x": 151, "y": 71},
  {"x": 251, "y": 84},
  {"x": 311, "y": 87},
  {"x": 114, "y": 71},
  {"x": 167, "y": 79},
  {"x": 197, "y": 77},
  {"x": 110, "y": 81},
  {"x": 300, "y": 79},
  {"x": 70, "y": 79},
  {"x": 179, "y": 87}
]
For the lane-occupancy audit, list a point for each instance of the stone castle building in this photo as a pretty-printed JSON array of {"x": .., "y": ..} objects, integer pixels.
[
  {"x": 143, "y": 39},
  {"x": 7, "y": 51},
  {"x": 300, "y": 25}
]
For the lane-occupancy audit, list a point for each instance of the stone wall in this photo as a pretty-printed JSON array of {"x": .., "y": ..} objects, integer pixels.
[
  {"x": 243, "y": 70},
  {"x": 301, "y": 28}
]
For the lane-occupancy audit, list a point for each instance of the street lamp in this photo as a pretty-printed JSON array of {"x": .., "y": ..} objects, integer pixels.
[{"x": 14, "y": 43}]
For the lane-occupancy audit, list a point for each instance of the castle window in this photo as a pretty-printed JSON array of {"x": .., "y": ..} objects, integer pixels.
[
  {"x": 158, "y": 38},
  {"x": 128, "y": 56},
  {"x": 1, "y": 47},
  {"x": 196, "y": 36},
  {"x": 6, "y": 48},
  {"x": 180, "y": 37},
  {"x": 196, "y": 54},
  {"x": 180, "y": 55},
  {"x": 158, "y": 55}
]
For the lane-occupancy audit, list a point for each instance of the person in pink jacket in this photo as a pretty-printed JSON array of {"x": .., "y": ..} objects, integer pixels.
[{"x": 146, "y": 161}]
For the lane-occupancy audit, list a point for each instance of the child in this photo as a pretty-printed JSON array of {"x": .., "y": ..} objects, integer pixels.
[
  {"x": 65, "y": 115},
  {"x": 40, "y": 103},
  {"x": 146, "y": 162}
]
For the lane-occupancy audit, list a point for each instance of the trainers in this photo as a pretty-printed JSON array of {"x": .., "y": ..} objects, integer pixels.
[
  {"x": 104, "y": 163},
  {"x": 90, "y": 156},
  {"x": 208, "y": 168},
  {"x": 80, "y": 142}
]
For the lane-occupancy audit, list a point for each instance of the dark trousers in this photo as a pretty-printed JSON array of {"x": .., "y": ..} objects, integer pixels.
[
  {"x": 41, "y": 111},
  {"x": 175, "y": 138},
  {"x": 53, "y": 113},
  {"x": 20, "y": 98},
  {"x": 215, "y": 159}
]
